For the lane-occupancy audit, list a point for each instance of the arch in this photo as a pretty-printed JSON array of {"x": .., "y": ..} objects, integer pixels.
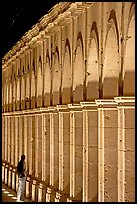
[
  {"x": 66, "y": 75},
  {"x": 92, "y": 82},
  {"x": 78, "y": 71},
  {"x": 4, "y": 93},
  {"x": 129, "y": 58},
  {"x": 22, "y": 88},
  {"x": 18, "y": 89},
  {"x": 10, "y": 92},
  {"x": 39, "y": 78},
  {"x": 112, "y": 23},
  {"x": 110, "y": 76},
  {"x": 33, "y": 67},
  {"x": 23, "y": 70},
  {"x": 56, "y": 79},
  {"x": 47, "y": 81},
  {"x": 28, "y": 86},
  {"x": 28, "y": 68},
  {"x": 32, "y": 84}
]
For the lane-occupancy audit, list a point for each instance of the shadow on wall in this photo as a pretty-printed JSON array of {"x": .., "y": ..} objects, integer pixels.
[
  {"x": 78, "y": 197},
  {"x": 94, "y": 199},
  {"x": 110, "y": 90},
  {"x": 92, "y": 90},
  {"x": 129, "y": 84},
  {"x": 78, "y": 94},
  {"x": 110, "y": 87},
  {"x": 66, "y": 96},
  {"x": 47, "y": 99}
]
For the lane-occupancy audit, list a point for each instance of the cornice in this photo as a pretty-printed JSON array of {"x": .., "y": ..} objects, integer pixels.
[{"x": 45, "y": 24}]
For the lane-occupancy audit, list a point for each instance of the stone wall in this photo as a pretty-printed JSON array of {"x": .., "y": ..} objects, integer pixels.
[{"x": 68, "y": 104}]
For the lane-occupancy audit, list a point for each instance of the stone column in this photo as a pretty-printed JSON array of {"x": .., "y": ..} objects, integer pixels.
[
  {"x": 90, "y": 152},
  {"x": 10, "y": 177},
  {"x": 29, "y": 144},
  {"x": 36, "y": 146},
  {"x": 64, "y": 152},
  {"x": 6, "y": 173},
  {"x": 28, "y": 187},
  {"x": 107, "y": 150},
  {"x": 51, "y": 150},
  {"x": 54, "y": 145},
  {"x": 20, "y": 136},
  {"x": 46, "y": 149},
  {"x": 76, "y": 152},
  {"x": 3, "y": 137},
  {"x": 48, "y": 195},
  {"x": 126, "y": 149},
  {"x": 33, "y": 190},
  {"x": 26, "y": 128},
  {"x": 9, "y": 138},
  {"x": 3, "y": 172},
  {"x": 16, "y": 186},
  {"x": 58, "y": 196},
  {"x": 16, "y": 140},
  {"x": 13, "y": 178},
  {"x": 40, "y": 192},
  {"x": 12, "y": 139},
  {"x": 39, "y": 136},
  {"x": 6, "y": 139}
]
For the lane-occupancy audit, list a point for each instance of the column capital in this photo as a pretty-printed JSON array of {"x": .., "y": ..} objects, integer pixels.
[
  {"x": 88, "y": 105},
  {"x": 125, "y": 101},
  {"x": 106, "y": 103},
  {"x": 62, "y": 108},
  {"x": 75, "y": 107},
  {"x": 52, "y": 109}
]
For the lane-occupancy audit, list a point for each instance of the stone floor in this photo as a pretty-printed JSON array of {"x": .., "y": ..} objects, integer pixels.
[{"x": 9, "y": 195}]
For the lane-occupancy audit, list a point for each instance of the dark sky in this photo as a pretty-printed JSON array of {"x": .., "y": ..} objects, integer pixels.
[{"x": 18, "y": 16}]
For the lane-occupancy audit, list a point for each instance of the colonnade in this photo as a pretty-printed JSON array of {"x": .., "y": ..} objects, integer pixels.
[
  {"x": 82, "y": 152},
  {"x": 68, "y": 104}
]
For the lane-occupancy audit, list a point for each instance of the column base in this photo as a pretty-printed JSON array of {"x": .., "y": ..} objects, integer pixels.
[
  {"x": 50, "y": 195},
  {"x": 13, "y": 179},
  {"x": 3, "y": 172},
  {"x": 6, "y": 174},
  {"x": 16, "y": 184},
  {"x": 28, "y": 187},
  {"x": 61, "y": 196},
  {"x": 69, "y": 200},
  {"x": 58, "y": 196},
  {"x": 34, "y": 195},
  {"x": 10, "y": 177},
  {"x": 40, "y": 192}
]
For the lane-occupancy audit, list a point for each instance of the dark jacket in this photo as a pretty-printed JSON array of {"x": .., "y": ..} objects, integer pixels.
[{"x": 21, "y": 169}]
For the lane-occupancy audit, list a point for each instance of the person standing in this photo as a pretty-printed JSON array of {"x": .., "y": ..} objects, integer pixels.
[{"x": 21, "y": 171}]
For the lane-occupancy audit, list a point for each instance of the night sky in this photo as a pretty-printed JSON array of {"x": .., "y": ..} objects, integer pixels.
[{"x": 18, "y": 17}]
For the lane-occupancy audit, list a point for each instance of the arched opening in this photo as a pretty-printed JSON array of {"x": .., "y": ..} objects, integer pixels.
[
  {"x": 10, "y": 95},
  {"x": 5, "y": 96},
  {"x": 7, "y": 93},
  {"x": 92, "y": 72},
  {"x": 56, "y": 81},
  {"x": 78, "y": 74},
  {"x": 39, "y": 84},
  {"x": 27, "y": 90},
  {"x": 14, "y": 89},
  {"x": 32, "y": 89},
  {"x": 111, "y": 66},
  {"x": 66, "y": 78},
  {"x": 22, "y": 92},
  {"x": 129, "y": 61},
  {"x": 18, "y": 93},
  {"x": 47, "y": 83}
]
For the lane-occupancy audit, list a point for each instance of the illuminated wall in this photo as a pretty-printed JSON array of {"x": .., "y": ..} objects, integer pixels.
[{"x": 68, "y": 100}]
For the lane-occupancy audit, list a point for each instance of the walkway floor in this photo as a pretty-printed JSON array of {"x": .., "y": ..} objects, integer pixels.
[{"x": 9, "y": 195}]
